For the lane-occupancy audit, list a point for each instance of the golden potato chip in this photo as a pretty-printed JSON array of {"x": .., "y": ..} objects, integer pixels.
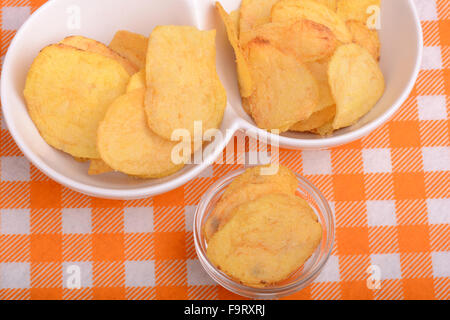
[
  {"x": 331, "y": 4},
  {"x": 248, "y": 187},
  {"x": 325, "y": 130},
  {"x": 68, "y": 92},
  {"x": 126, "y": 143},
  {"x": 255, "y": 13},
  {"x": 317, "y": 120},
  {"x": 245, "y": 81},
  {"x": 283, "y": 177},
  {"x": 183, "y": 85},
  {"x": 319, "y": 70},
  {"x": 266, "y": 240},
  {"x": 82, "y": 160},
  {"x": 132, "y": 46},
  {"x": 98, "y": 166},
  {"x": 137, "y": 81},
  {"x": 235, "y": 16},
  {"x": 246, "y": 106},
  {"x": 365, "y": 37},
  {"x": 358, "y": 10},
  {"x": 356, "y": 83},
  {"x": 306, "y": 9},
  {"x": 307, "y": 40},
  {"x": 91, "y": 45},
  {"x": 285, "y": 90}
]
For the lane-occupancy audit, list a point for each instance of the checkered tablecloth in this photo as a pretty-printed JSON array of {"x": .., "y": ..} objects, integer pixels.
[{"x": 390, "y": 192}]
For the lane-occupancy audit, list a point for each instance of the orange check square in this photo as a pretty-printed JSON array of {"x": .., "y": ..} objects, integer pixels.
[
  {"x": 352, "y": 241},
  {"x": 404, "y": 134},
  {"x": 45, "y": 194},
  {"x": 170, "y": 245},
  {"x": 108, "y": 247},
  {"x": 172, "y": 293},
  {"x": 409, "y": 186},
  {"x": 172, "y": 198},
  {"x": 355, "y": 290},
  {"x": 37, "y": 3},
  {"x": 418, "y": 289},
  {"x": 414, "y": 238},
  {"x": 349, "y": 187},
  {"x": 444, "y": 30},
  {"x": 304, "y": 294},
  {"x": 46, "y": 248},
  {"x": 224, "y": 294}
]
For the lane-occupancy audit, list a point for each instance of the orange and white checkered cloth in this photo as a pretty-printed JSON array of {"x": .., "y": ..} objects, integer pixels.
[{"x": 390, "y": 192}]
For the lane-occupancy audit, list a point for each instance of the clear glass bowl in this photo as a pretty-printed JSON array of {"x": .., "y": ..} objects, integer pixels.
[{"x": 302, "y": 277}]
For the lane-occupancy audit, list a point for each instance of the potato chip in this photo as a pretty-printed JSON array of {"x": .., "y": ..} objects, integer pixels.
[
  {"x": 319, "y": 69},
  {"x": 235, "y": 16},
  {"x": 356, "y": 83},
  {"x": 98, "y": 167},
  {"x": 246, "y": 106},
  {"x": 317, "y": 120},
  {"x": 91, "y": 45},
  {"x": 307, "y": 40},
  {"x": 359, "y": 10},
  {"x": 183, "y": 85},
  {"x": 249, "y": 186},
  {"x": 132, "y": 46},
  {"x": 137, "y": 81},
  {"x": 126, "y": 143},
  {"x": 68, "y": 92},
  {"x": 365, "y": 37},
  {"x": 285, "y": 90},
  {"x": 255, "y": 13},
  {"x": 306, "y": 9},
  {"x": 245, "y": 81},
  {"x": 284, "y": 177},
  {"x": 266, "y": 240}
]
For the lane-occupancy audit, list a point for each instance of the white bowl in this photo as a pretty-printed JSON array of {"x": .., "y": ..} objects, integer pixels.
[{"x": 401, "y": 39}]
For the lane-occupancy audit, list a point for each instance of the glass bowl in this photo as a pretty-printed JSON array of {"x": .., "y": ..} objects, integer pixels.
[{"x": 300, "y": 279}]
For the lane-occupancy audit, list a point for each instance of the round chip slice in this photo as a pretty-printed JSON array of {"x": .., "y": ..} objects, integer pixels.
[
  {"x": 132, "y": 46},
  {"x": 98, "y": 167},
  {"x": 357, "y": 9},
  {"x": 306, "y": 39},
  {"x": 356, "y": 82},
  {"x": 243, "y": 71},
  {"x": 126, "y": 143},
  {"x": 319, "y": 70},
  {"x": 306, "y": 9},
  {"x": 91, "y": 45},
  {"x": 266, "y": 240},
  {"x": 68, "y": 92},
  {"x": 331, "y": 4},
  {"x": 137, "y": 81},
  {"x": 285, "y": 90},
  {"x": 316, "y": 121},
  {"x": 247, "y": 187},
  {"x": 183, "y": 84},
  {"x": 254, "y": 13},
  {"x": 365, "y": 37}
]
